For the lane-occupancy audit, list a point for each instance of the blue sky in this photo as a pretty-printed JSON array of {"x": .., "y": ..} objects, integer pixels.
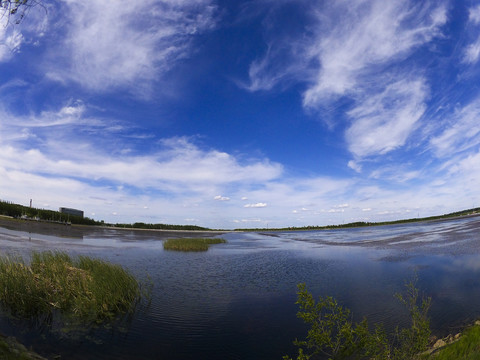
[{"x": 234, "y": 114}]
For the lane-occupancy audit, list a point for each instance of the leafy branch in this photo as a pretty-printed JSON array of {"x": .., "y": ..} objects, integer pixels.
[{"x": 333, "y": 334}]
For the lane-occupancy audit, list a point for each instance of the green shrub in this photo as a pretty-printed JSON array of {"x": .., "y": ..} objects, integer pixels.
[
  {"x": 332, "y": 333},
  {"x": 191, "y": 244}
]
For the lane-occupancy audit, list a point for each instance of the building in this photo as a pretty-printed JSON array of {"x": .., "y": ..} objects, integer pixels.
[{"x": 73, "y": 212}]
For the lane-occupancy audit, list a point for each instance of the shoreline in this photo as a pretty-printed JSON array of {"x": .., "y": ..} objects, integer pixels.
[
  {"x": 345, "y": 226},
  {"x": 75, "y": 230},
  {"x": 78, "y": 230}
]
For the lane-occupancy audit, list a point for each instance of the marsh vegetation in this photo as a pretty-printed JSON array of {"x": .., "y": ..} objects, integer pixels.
[
  {"x": 191, "y": 244},
  {"x": 53, "y": 284}
]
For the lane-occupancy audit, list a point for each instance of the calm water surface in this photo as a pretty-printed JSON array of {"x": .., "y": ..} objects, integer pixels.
[{"x": 236, "y": 301}]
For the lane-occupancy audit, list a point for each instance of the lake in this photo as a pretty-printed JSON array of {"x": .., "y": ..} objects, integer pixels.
[{"x": 237, "y": 300}]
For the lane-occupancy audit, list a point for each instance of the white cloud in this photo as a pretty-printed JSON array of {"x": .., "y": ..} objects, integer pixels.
[
  {"x": 472, "y": 52},
  {"x": 354, "y": 166},
  {"x": 474, "y": 14},
  {"x": 117, "y": 43},
  {"x": 354, "y": 52},
  {"x": 257, "y": 205},
  {"x": 367, "y": 35},
  {"x": 248, "y": 221},
  {"x": 346, "y": 42},
  {"x": 183, "y": 166},
  {"x": 221, "y": 198},
  {"x": 383, "y": 122},
  {"x": 177, "y": 165},
  {"x": 468, "y": 166},
  {"x": 462, "y": 131},
  {"x": 397, "y": 174},
  {"x": 10, "y": 38}
]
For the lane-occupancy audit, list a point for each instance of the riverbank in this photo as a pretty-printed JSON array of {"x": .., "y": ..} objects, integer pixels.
[
  {"x": 463, "y": 345},
  {"x": 79, "y": 231}
]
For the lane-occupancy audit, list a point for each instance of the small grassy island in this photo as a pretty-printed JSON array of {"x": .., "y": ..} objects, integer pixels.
[
  {"x": 191, "y": 244},
  {"x": 81, "y": 289}
]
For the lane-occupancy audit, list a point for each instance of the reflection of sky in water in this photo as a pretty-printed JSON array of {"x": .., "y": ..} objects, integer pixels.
[{"x": 237, "y": 299}]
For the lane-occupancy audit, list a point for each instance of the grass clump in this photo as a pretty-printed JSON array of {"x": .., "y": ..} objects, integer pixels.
[
  {"x": 82, "y": 288},
  {"x": 466, "y": 348},
  {"x": 191, "y": 244}
]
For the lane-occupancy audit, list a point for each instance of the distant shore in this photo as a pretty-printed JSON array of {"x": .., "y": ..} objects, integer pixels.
[
  {"x": 440, "y": 218},
  {"x": 76, "y": 231}
]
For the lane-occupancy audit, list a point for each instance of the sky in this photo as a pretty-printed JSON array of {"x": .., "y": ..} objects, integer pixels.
[{"x": 242, "y": 114}]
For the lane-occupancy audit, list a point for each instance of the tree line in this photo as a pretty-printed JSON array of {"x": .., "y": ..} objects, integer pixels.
[
  {"x": 365, "y": 223},
  {"x": 18, "y": 211}
]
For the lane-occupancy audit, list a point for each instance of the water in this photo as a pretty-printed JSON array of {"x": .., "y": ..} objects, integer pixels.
[{"x": 236, "y": 301}]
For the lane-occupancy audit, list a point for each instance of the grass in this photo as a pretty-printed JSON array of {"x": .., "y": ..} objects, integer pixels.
[
  {"x": 466, "y": 348},
  {"x": 53, "y": 283},
  {"x": 191, "y": 244}
]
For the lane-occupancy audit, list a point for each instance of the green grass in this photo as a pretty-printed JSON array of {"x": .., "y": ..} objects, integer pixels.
[
  {"x": 84, "y": 289},
  {"x": 466, "y": 348},
  {"x": 191, "y": 244}
]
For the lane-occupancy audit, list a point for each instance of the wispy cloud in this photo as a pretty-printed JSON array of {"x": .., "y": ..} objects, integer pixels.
[
  {"x": 366, "y": 37},
  {"x": 461, "y": 131},
  {"x": 474, "y": 14},
  {"x": 472, "y": 51},
  {"x": 346, "y": 41},
  {"x": 126, "y": 44},
  {"x": 382, "y": 122},
  {"x": 356, "y": 50},
  {"x": 10, "y": 41},
  {"x": 221, "y": 198}
]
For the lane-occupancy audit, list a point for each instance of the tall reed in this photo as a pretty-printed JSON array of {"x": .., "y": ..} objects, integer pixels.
[{"x": 81, "y": 288}]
